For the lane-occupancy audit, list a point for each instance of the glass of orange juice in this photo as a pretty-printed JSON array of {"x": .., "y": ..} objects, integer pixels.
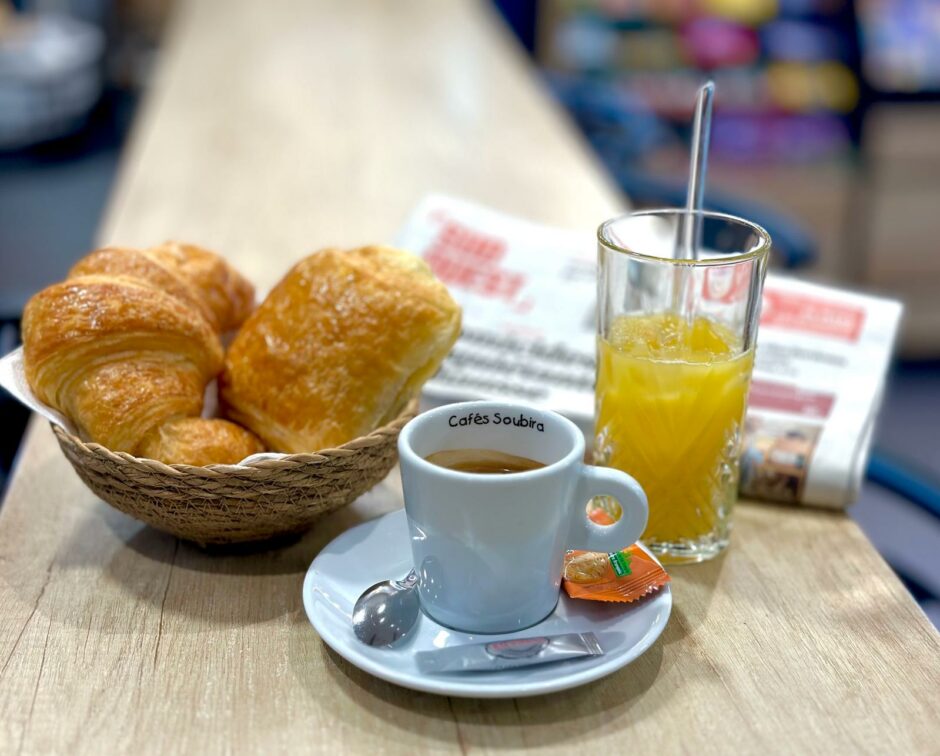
[{"x": 676, "y": 338}]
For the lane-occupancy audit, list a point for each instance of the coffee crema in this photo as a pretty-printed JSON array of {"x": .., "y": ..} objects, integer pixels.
[{"x": 483, "y": 461}]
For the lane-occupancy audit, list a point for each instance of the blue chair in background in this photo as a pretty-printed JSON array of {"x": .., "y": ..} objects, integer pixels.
[{"x": 918, "y": 487}]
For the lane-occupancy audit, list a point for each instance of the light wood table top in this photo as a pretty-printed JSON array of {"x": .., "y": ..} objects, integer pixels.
[{"x": 275, "y": 128}]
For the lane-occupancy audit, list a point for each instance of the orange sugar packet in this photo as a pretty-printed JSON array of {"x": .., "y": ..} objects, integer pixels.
[{"x": 625, "y": 575}]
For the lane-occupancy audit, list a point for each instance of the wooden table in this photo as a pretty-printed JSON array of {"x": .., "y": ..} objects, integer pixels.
[{"x": 273, "y": 129}]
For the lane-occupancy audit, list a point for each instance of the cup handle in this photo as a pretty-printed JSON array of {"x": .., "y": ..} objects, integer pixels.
[{"x": 606, "y": 481}]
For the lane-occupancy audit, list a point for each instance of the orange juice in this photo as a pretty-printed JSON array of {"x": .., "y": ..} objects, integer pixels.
[{"x": 671, "y": 396}]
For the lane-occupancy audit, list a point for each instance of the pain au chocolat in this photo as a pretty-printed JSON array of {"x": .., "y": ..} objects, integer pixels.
[{"x": 338, "y": 348}]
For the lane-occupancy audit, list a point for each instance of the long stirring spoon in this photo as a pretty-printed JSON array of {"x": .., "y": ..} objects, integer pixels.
[
  {"x": 690, "y": 237},
  {"x": 695, "y": 195},
  {"x": 386, "y": 612},
  {"x": 689, "y": 232}
]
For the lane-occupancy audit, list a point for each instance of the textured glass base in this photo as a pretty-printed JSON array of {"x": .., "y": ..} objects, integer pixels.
[{"x": 688, "y": 551}]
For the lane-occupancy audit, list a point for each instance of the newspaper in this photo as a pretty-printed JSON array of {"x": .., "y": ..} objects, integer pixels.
[{"x": 528, "y": 294}]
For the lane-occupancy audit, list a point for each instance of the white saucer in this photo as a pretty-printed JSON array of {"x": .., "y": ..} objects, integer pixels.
[{"x": 379, "y": 549}]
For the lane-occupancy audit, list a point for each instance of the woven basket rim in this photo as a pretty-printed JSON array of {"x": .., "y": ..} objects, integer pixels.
[{"x": 269, "y": 465}]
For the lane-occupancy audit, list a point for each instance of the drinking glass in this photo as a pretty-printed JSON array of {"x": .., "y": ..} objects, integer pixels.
[{"x": 675, "y": 342}]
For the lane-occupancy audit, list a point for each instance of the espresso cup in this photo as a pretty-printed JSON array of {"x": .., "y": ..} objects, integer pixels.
[{"x": 489, "y": 549}]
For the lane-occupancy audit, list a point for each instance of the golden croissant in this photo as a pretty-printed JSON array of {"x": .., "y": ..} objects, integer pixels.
[{"x": 126, "y": 345}]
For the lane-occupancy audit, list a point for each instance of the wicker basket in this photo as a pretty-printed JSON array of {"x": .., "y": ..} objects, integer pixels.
[{"x": 229, "y": 504}]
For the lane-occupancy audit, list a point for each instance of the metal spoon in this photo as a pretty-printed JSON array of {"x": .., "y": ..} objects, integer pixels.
[{"x": 386, "y": 612}]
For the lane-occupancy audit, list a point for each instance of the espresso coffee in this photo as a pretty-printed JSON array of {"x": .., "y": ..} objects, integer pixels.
[{"x": 483, "y": 461}]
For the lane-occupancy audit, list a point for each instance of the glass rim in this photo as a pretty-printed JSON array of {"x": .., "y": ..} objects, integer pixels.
[{"x": 762, "y": 249}]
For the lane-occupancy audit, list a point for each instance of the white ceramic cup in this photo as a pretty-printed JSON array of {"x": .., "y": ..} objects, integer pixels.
[{"x": 489, "y": 549}]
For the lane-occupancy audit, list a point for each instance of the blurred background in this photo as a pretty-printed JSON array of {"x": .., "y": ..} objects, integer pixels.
[{"x": 825, "y": 132}]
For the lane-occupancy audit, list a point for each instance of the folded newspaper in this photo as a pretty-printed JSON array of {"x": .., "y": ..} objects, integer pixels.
[{"x": 528, "y": 293}]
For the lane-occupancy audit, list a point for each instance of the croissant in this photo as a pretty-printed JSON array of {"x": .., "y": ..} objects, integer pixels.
[
  {"x": 201, "y": 278},
  {"x": 126, "y": 345},
  {"x": 338, "y": 348}
]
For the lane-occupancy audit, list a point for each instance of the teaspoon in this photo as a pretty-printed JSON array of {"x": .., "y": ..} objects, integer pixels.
[{"x": 386, "y": 612}]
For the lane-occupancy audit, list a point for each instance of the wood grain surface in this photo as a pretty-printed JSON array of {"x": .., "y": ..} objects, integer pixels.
[{"x": 272, "y": 129}]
